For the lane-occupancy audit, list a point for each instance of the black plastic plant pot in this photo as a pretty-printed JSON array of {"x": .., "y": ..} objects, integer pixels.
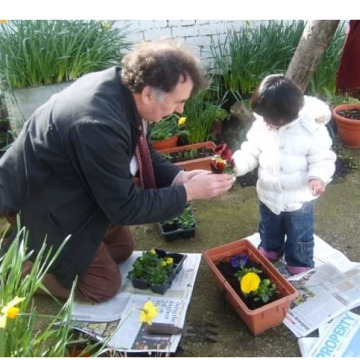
[
  {"x": 178, "y": 260},
  {"x": 140, "y": 284},
  {"x": 160, "y": 289},
  {"x": 175, "y": 234}
]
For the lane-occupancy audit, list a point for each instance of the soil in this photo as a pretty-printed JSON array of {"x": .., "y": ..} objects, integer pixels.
[
  {"x": 353, "y": 114},
  {"x": 189, "y": 155},
  {"x": 229, "y": 274}
]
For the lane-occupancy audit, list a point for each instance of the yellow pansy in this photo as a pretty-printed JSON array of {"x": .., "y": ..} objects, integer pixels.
[
  {"x": 148, "y": 313},
  {"x": 182, "y": 121},
  {"x": 10, "y": 311},
  {"x": 249, "y": 282},
  {"x": 169, "y": 260},
  {"x": 163, "y": 263},
  {"x": 152, "y": 251},
  {"x": 3, "y": 21}
]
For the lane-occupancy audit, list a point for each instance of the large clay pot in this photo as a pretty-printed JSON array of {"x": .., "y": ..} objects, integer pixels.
[
  {"x": 348, "y": 129},
  {"x": 165, "y": 144},
  {"x": 266, "y": 316}
]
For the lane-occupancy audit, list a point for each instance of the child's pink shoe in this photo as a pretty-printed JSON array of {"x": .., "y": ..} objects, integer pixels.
[
  {"x": 296, "y": 270},
  {"x": 271, "y": 255}
]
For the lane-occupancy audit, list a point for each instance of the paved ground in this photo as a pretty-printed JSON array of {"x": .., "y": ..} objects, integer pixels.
[{"x": 235, "y": 216}]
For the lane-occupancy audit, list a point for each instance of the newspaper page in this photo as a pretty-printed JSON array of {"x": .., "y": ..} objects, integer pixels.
[
  {"x": 328, "y": 290},
  {"x": 116, "y": 321},
  {"x": 338, "y": 338}
]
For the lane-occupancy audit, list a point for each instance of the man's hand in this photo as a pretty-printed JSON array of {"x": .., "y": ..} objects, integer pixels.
[
  {"x": 205, "y": 185},
  {"x": 185, "y": 176},
  {"x": 316, "y": 186}
]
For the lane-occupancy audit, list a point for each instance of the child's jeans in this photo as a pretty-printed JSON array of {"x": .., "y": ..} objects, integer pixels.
[{"x": 298, "y": 228}]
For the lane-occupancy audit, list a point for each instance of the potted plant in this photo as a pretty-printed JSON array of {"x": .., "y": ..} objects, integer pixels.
[
  {"x": 165, "y": 133},
  {"x": 191, "y": 160},
  {"x": 183, "y": 225},
  {"x": 222, "y": 161},
  {"x": 155, "y": 269},
  {"x": 261, "y": 301},
  {"x": 39, "y": 58},
  {"x": 347, "y": 119}
]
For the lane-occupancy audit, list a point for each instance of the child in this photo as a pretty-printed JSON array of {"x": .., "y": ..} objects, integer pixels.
[{"x": 291, "y": 145}]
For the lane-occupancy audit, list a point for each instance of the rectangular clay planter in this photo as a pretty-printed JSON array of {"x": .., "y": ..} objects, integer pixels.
[
  {"x": 268, "y": 315},
  {"x": 161, "y": 289},
  {"x": 201, "y": 163}
]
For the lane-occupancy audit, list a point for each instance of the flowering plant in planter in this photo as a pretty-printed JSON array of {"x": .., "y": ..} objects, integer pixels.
[
  {"x": 155, "y": 269},
  {"x": 251, "y": 284},
  {"x": 171, "y": 125}
]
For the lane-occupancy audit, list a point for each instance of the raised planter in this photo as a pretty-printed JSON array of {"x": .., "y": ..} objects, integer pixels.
[
  {"x": 193, "y": 164},
  {"x": 266, "y": 316},
  {"x": 348, "y": 129}
]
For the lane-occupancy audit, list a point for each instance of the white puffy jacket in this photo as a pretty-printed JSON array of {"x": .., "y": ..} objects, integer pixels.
[{"x": 289, "y": 157}]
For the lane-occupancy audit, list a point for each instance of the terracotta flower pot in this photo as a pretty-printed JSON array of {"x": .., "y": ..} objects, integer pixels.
[
  {"x": 165, "y": 144},
  {"x": 348, "y": 129},
  {"x": 267, "y": 316},
  {"x": 200, "y": 163}
]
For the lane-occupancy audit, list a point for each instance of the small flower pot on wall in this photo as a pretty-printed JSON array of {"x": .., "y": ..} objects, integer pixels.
[
  {"x": 199, "y": 163},
  {"x": 267, "y": 316},
  {"x": 171, "y": 142},
  {"x": 348, "y": 128}
]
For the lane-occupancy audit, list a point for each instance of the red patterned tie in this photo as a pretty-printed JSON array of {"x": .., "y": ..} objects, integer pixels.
[{"x": 144, "y": 161}]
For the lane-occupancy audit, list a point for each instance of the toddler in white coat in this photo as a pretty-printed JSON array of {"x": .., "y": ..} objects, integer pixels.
[{"x": 290, "y": 145}]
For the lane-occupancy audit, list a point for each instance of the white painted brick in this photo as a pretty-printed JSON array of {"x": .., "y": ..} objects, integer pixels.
[
  {"x": 161, "y": 24},
  {"x": 201, "y": 41},
  {"x": 184, "y": 31},
  {"x": 146, "y": 24},
  {"x": 157, "y": 33},
  {"x": 181, "y": 22}
]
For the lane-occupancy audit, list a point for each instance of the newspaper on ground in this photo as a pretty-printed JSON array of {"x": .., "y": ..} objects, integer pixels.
[
  {"x": 338, "y": 338},
  {"x": 325, "y": 292},
  {"x": 116, "y": 321}
]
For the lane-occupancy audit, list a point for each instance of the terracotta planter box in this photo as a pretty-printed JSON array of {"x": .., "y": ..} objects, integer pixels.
[
  {"x": 165, "y": 144},
  {"x": 200, "y": 163},
  {"x": 266, "y": 316},
  {"x": 348, "y": 129}
]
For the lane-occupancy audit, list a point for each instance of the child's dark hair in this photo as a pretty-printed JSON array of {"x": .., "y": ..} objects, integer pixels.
[{"x": 277, "y": 99}]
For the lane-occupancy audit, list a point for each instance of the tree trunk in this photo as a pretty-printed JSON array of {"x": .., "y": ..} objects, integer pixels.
[{"x": 314, "y": 41}]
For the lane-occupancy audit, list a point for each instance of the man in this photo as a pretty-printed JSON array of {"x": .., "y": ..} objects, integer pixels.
[{"x": 71, "y": 169}]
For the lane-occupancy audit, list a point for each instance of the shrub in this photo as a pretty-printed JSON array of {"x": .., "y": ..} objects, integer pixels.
[{"x": 41, "y": 52}]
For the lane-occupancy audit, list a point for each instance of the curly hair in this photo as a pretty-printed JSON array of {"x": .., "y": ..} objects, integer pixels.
[{"x": 161, "y": 64}]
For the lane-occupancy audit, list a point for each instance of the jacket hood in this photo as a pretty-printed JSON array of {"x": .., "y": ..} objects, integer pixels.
[{"x": 315, "y": 110}]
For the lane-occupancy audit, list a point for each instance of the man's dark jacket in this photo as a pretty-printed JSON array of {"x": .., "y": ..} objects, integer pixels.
[{"x": 68, "y": 172}]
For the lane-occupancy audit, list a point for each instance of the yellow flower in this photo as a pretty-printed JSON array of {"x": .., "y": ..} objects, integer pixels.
[
  {"x": 10, "y": 311},
  {"x": 249, "y": 282},
  {"x": 3, "y": 21},
  {"x": 163, "y": 263},
  {"x": 169, "y": 260},
  {"x": 148, "y": 312},
  {"x": 182, "y": 121},
  {"x": 152, "y": 251}
]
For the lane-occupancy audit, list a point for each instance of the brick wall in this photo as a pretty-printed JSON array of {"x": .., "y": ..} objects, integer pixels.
[{"x": 197, "y": 34}]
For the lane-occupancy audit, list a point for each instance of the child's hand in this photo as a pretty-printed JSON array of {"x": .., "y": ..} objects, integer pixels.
[{"x": 316, "y": 186}]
